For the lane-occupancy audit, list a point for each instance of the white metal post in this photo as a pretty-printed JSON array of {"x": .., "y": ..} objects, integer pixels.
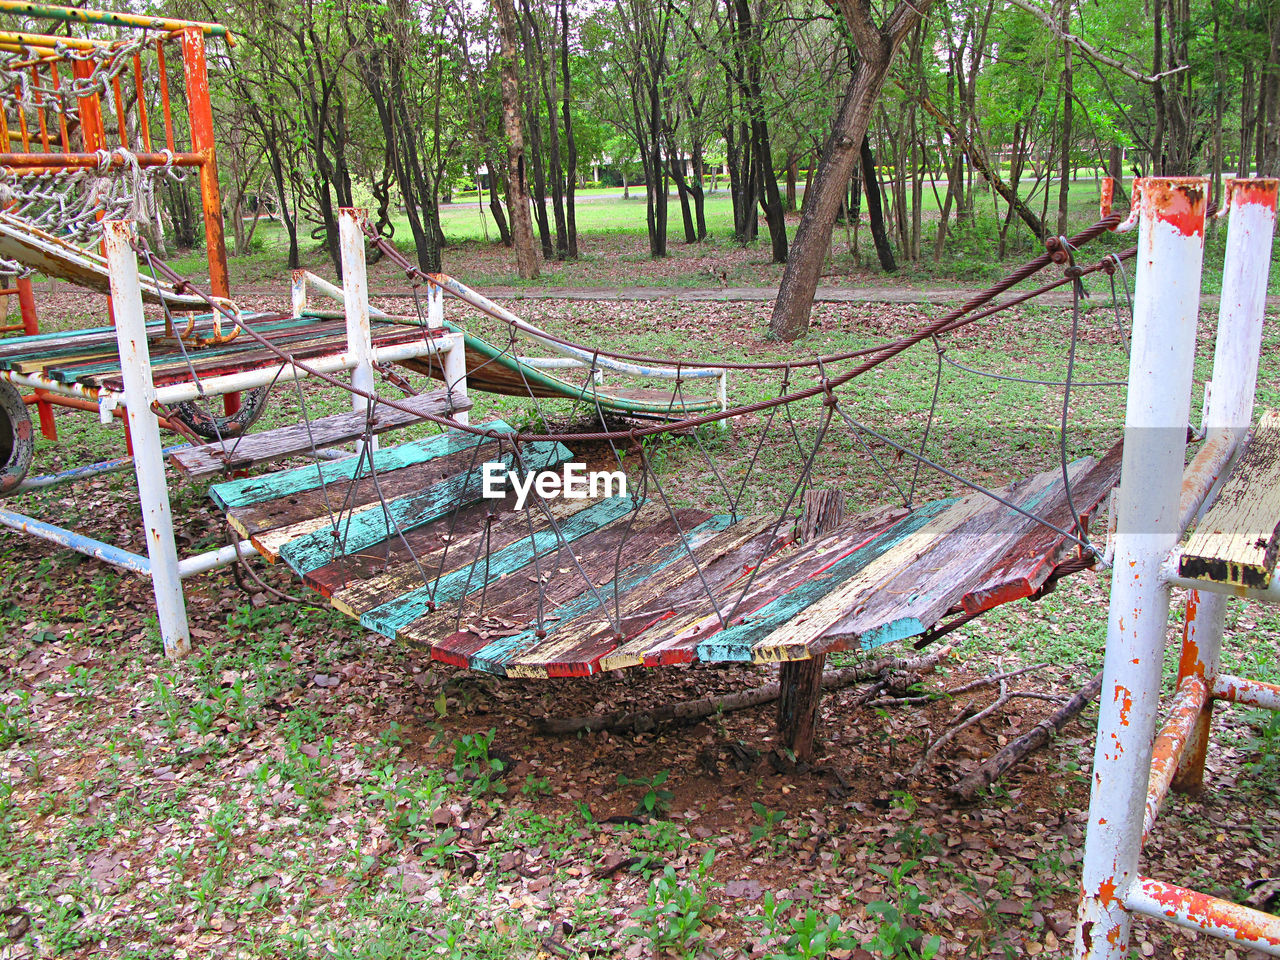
[
  {"x": 455, "y": 372},
  {"x": 1251, "y": 209},
  {"x": 298, "y": 292},
  {"x": 1166, "y": 302},
  {"x": 355, "y": 292},
  {"x": 144, "y": 431}
]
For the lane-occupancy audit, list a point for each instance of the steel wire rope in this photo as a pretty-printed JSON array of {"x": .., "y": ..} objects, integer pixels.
[{"x": 952, "y": 321}]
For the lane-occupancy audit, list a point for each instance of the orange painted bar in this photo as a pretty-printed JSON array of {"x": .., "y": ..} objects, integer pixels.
[
  {"x": 164, "y": 94},
  {"x": 143, "y": 123}
]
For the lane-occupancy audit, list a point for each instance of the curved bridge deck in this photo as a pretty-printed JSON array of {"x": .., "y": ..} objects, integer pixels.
[{"x": 423, "y": 557}]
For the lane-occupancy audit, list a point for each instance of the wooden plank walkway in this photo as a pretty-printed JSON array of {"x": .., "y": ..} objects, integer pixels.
[
  {"x": 422, "y": 557},
  {"x": 253, "y": 449},
  {"x": 1236, "y": 540}
]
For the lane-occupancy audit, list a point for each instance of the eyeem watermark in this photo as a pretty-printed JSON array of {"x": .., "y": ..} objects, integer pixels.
[{"x": 573, "y": 482}]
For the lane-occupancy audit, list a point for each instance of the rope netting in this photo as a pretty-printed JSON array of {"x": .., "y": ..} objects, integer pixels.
[
  {"x": 70, "y": 203},
  {"x": 627, "y": 443}
]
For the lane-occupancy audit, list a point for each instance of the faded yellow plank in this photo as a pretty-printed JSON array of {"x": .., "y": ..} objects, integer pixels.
[
  {"x": 403, "y": 577},
  {"x": 1237, "y": 539},
  {"x": 791, "y": 641},
  {"x": 631, "y": 653}
]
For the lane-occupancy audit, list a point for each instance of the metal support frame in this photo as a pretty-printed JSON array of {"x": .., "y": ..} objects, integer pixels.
[
  {"x": 148, "y": 460},
  {"x": 1133, "y": 768},
  {"x": 355, "y": 298},
  {"x": 162, "y": 563}
]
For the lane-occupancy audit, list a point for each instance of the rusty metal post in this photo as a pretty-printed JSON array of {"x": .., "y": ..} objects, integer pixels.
[
  {"x": 31, "y": 327},
  {"x": 200, "y": 113},
  {"x": 148, "y": 453},
  {"x": 1166, "y": 303},
  {"x": 1251, "y": 206},
  {"x": 298, "y": 292}
]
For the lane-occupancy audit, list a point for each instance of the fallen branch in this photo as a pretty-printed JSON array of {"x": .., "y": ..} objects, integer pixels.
[
  {"x": 1013, "y": 752},
  {"x": 691, "y": 711},
  {"x": 954, "y": 691},
  {"x": 951, "y": 734}
]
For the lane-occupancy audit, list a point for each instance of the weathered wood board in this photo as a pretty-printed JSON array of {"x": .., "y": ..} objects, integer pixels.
[
  {"x": 1237, "y": 539},
  {"x": 266, "y": 445},
  {"x": 457, "y": 578}
]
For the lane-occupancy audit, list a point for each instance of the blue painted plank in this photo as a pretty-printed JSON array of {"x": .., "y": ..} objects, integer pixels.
[
  {"x": 391, "y": 616},
  {"x": 271, "y": 486},
  {"x": 356, "y": 532},
  {"x": 494, "y": 657},
  {"x": 735, "y": 643}
]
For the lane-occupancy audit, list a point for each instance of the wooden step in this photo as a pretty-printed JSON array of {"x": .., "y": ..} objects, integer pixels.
[
  {"x": 1237, "y": 539},
  {"x": 256, "y": 448}
]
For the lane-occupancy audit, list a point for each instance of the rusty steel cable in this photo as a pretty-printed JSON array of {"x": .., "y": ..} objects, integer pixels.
[{"x": 951, "y": 321}]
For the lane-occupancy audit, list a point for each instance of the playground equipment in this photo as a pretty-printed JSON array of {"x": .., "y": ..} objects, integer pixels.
[
  {"x": 1233, "y": 552},
  {"x": 403, "y": 538}
]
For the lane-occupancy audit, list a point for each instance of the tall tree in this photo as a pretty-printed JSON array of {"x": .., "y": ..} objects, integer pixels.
[
  {"x": 876, "y": 45},
  {"x": 517, "y": 190}
]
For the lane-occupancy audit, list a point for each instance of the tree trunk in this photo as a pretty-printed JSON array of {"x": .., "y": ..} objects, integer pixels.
[
  {"x": 875, "y": 210},
  {"x": 517, "y": 191},
  {"x": 1064, "y": 187},
  {"x": 571, "y": 146},
  {"x": 804, "y": 267}
]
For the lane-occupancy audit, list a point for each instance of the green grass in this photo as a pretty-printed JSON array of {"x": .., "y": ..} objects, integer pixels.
[{"x": 614, "y": 249}]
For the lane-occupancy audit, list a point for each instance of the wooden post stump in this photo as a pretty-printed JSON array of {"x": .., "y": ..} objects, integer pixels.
[{"x": 801, "y": 680}]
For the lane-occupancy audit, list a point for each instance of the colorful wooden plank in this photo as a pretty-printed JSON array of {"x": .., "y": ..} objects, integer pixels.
[
  {"x": 657, "y": 597},
  {"x": 299, "y": 512},
  {"x": 375, "y": 524},
  {"x": 650, "y": 548},
  {"x": 456, "y": 529},
  {"x": 689, "y": 637},
  {"x": 1030, "y": 560},
  {"x": 464, "y": 550},
  {"x": 259, "y": 489},
  {"x": 255, "y": 448},
  {"x": 390, "y": 617},
  {"x": 1237, "y": 539},
  {"x": 908, "y": 588}
]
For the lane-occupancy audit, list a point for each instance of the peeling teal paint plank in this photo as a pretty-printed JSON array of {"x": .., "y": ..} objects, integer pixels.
[
  {"x": 271, "y": 486},
  {"x": 390, "y": 617},
  {"x": 362, "y": 530},
  {"x": 494, "y": 657},
  {"x": 735, "y": 644}
]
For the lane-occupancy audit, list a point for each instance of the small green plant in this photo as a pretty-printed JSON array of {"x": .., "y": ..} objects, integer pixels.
[
  {"x": 771, "y": 820},
  {"x": 14, "y": 720},
  {"x": 655, "y": 801},
  {"x": 1264, "y": 744},
  {"x": 472, "y": 762},
  {"x": 674, "y": 913},
  {"x": 807, "y": 936},
  {"x": 536, "y": 786},
  {"x": 896, "y": 938}
]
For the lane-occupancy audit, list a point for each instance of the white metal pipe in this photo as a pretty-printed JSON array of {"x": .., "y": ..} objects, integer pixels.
[
  {"x": 355, "y": 304},
  {"x": 1166, "y": 303},
  {"x": 454, "y": 368},
  {"x": 1205, "y": 914},
  {"x": 334, "y": 292},
  {"x": 1228, "y": 413},
  {"x": 1249, "y": 693},
  {"x": 144, "y": 432},
  {"x": 248, "y": 379},
  {"x": 36, "y": 382},
  {"x": 298, "y": 292},
  {"x": 214, "y": 559}
]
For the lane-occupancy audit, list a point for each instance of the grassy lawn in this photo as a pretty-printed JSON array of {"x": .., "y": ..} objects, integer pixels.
[{"x": 299, "y": 788}]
